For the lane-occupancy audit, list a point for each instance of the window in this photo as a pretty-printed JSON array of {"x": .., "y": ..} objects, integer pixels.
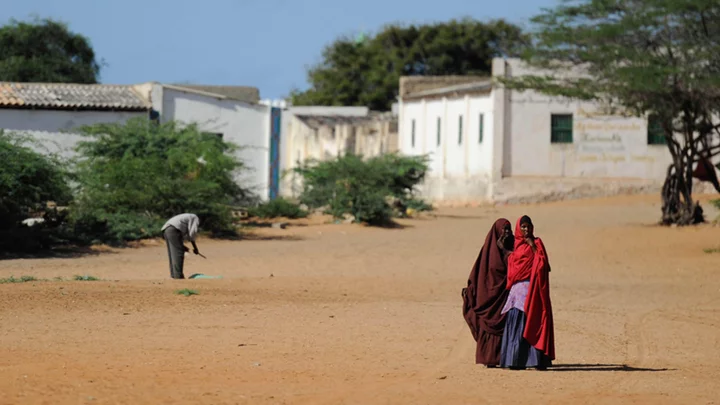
[
  {"x": 460, "y": 130},
  {"x": 481, "y": 124},
  {"x": 561, "y": 130},
  {"x": 412, "y": 133},
  {"x": 655, "y": 132},
  {"x": 439, "y": 131}
]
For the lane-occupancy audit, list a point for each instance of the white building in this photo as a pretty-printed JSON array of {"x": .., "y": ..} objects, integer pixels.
[
  {"x": 487, "y": 143},
  {"x": 51, "y": 111},
  {"x": 322, "y": 133},
  {"x": 233, "y": 113}
]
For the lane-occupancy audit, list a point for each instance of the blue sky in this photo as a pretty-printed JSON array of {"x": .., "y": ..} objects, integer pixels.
[{"x": 263, "y": 43}]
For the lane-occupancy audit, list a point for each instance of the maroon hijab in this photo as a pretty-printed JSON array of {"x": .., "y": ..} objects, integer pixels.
[{"x": 485, "y": 295}]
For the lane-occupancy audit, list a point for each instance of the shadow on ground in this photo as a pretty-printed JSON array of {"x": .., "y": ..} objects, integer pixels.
[
  {"x": 603, "y": 367},
  {"x": 68, "y": 252}
]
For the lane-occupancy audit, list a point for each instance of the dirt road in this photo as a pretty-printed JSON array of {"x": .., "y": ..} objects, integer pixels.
[{"x": 341, "y": 314}]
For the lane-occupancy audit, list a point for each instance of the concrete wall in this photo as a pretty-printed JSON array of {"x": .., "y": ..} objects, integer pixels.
[
  {"x": 603, "y": 146},
  {"x": 323, "y": 110},
  {"x": 243, "y": 124},
  {"x": 375, "y": 138},
  {"x": 517, "y": 142},
  {"x": 461, "y": 165},
  {"x": 49, "y": 126},
  {"x": 367, "y": 137}
]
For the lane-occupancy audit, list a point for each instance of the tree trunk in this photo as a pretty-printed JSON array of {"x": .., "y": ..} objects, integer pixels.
[{"x": 678, "y": 207}]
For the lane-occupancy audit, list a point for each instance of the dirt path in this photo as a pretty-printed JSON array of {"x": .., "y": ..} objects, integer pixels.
[{"x": 340, "y": 314}]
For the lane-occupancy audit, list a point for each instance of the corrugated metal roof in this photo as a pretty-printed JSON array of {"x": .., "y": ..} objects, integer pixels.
[{"x": 75, "y": 96}]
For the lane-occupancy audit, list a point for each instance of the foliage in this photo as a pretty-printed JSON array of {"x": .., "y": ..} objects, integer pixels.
[
  {"x": 45, "y": 51},
  {"x": 28, "y": 181},
  {"x": 277, "y": 208},
  {"x": 645, "y": 57},
  {"x": 187, "y": 292},
  {"x": 362, "y": 188},
  {"x": 367, "y": 72},
  {"x": 13, "y": 280},
  {"x": 135, "y": 176},
  {"x": 415, "y": 204}
]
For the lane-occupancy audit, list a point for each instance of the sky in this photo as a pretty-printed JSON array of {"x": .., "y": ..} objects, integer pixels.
[{"x": 268, "y": 44}]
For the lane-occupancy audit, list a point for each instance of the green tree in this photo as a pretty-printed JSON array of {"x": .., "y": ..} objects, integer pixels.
[
  {"x": 366, "y": 72},
  {"x": 45, "y": 51},
  {"x": 28, "y": 181},
  {"x": 657, "y": 58},
  {"x": 134, "y": 176}
]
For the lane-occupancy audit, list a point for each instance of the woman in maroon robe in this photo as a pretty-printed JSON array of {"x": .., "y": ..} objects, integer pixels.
[{"x": 485, "y": 295}]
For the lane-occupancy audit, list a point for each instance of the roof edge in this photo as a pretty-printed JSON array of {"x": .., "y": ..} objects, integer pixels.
[
  {"x": 457, "y": 89},
  {"x": 194, "y": 91}
]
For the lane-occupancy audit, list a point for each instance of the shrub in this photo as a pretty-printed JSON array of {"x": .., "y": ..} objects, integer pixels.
[
  {"x": 362, "y": 188},
  {"x": 186, "y": 292},
  {"x": 28, "y": 181},
  {"x": 22, "y": 279},
  {"x": 133, "y": 177},
  {"x": 277, "y": 208}
]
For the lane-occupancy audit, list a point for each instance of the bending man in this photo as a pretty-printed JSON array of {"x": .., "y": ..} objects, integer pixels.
[{"x": 178, "y": 228}]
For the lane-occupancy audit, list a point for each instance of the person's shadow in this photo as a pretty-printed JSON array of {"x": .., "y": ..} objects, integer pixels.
[{"x": 603, "y": 367}]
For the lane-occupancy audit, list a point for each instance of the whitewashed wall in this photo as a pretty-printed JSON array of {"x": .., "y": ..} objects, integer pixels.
[
  {"x": 243, "y": 124},
  {"x": 460, "y": 165},
  {"x": 603, "y": 146},
  {"x": 49, "y": 127}
]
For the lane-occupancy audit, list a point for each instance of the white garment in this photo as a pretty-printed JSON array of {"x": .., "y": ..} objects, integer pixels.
[{"x": 187, "y": 224}]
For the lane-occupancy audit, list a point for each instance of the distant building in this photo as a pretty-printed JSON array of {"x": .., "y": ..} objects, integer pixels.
[
  {"x": 50, "y": 112},
  {"x": 324, "y": 133},
  {"x": 232, "y": 112},
  {"x": 487, "y": 143}
]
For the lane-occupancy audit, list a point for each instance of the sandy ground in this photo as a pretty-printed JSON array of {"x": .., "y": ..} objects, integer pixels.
[{"x": 342, "y": 314}]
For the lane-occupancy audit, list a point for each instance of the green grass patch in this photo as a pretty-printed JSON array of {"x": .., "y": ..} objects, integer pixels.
[
  {"x": 22, "y": 279},
  {"x": 712, "y": 250},
  {"x": 186, "y": 292},
  {"x": 85, "y": 278}
]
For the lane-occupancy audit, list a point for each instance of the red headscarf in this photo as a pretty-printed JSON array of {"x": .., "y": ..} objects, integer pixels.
[
  {"x": 520, "y": 262},
  {"x": 524, "y": 264}
]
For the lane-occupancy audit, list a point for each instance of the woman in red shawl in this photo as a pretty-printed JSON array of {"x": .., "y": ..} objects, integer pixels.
[
  {"x": 528, "y": 339},
  {"x": 485, "y": 295}
]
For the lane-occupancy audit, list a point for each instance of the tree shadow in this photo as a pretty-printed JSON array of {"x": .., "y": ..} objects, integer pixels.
[
  {"x": 604, "y": 367},
  {"x": 257, "y": 224},
  {"x": 62, "y": 252},
  {"x": 251, "y": 236},
  {"x": 453, "y": 216},
  {"x": 391, "y": 225}
]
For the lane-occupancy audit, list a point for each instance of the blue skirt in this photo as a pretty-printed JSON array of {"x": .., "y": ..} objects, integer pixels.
[{"x": 515, "y": 351}]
